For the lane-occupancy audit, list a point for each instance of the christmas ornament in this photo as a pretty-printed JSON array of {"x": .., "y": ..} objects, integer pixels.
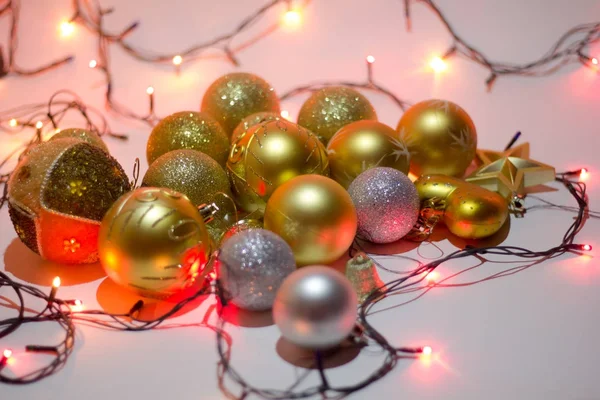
[
  {"x": 235, "y": 96},
  {"x": 241, "y": 226},
  {"x": 153, "y": 241},
  {"x": 362, "y": 274},
  {"x": 188, "y": 130},
  {"x": 315, "y": 216},
  {"x": 252, "y": 266},
  {"x": 315, "y": 308},
  {"x": 253, "y": 120},
  {"x": 59, "y": 193},
  {"x": 469, "y": 211},
  {"x": 511, "y": 176},
  {"x": 268, "y": 155},
  {"x": 441, "y": 138},
  {"x": 82, "y": 134},
  {"x": 387, "y": 204},
  {"x": 486, "y": 157},
  {"x": 362, "y": 145},
  {"x": 329, "y": 109}
]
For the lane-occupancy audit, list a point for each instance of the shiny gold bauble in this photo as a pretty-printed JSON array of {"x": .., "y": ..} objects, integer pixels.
[
  {"x": 153, "y": 241},
  {"x": 82, "y": 134},
  {"x": 363, "y": 145},
  {"x": 469, "y": 211},
  {"x": 315, "y": 216},
  {"x": 268, "y": 155},
  {"x": 59, "y": 193},
  {"x": 253, "y": 120},
  {"x": 441, "y": 138},
  {"x": 233, "y": 97},
  {"x": 188, "y": 130},
  {"x": 329, "y": 109}
]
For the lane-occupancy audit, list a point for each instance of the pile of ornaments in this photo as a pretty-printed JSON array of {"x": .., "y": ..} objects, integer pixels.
[{"x": 238, "y": 188}]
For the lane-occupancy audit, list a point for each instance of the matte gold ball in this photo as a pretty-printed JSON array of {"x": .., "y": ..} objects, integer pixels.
[
  {"x": 363, "y": 145},
  {"x": 441, "y": 138},
  {"x": 82, "y": 134},
  {"x": 268, "y": 155},
  {"x": 253, "y": 120},
  {"x": 233, "y": 97},
  {"x": 153, "y": 241},
  {"x": 188, "y": 130},
  {"x": 315, "y": 216},
  {"x": 329, "y": 109}
]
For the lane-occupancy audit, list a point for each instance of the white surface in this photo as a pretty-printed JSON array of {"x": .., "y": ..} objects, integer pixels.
[{"x": 528, "y": 336}]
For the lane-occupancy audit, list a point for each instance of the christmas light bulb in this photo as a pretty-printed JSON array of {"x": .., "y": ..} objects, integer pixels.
[
  {"x": 584, "y": 174},
  {"x": 56, "y": 282},
  {"x": 150, "y": 90},
  {"x": 177, "y": 60},
  {"x": 67, "y": 28},
  {"x": 595, "y": 61},
  {"x": 57, "y": 130},
  {"x": 13, "y": 122},
  {"x": 93, "y": 63},
  {"x": 285, "y": 114},
  {"x": 7, "y": 353},
  {"x": 431, "y": 277},
  {"x": 586, "y": 247},
  {"x": 427, "y": 350},
  {"x": 370, "y": 59},
  {"x": 292, "y": 18},
  {"x": 39, "y": 125},
  {"x": 438, "y": 64}
]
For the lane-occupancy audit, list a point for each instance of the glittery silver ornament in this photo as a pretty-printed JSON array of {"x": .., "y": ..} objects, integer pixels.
[
  {"x": 253, "y": 264},
  {"x": 315, "y": 308},
  {"x": 387, "y": 204}
]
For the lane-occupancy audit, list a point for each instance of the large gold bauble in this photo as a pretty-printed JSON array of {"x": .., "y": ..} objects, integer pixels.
[
  {"x": 233, "y": 97},
  {"x": 329, "y": 109},
  {"x": 441, "y": 138},
  {"x": 153, "y": 241},
  {"x": 188, "y": 130},
  {"x": 363, "y": 145},
  {"x": 82, "y": 134},
  {"x": 59, "y": 193},
  {"x": 268, "y": 155},
  {"x": 253, "y": 120},
  {"x": 315, "y": 216},
  {"x": 469, "y": 211}
]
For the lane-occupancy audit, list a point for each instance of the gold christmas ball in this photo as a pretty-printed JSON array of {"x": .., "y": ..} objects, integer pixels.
[
  {"x": 153, "y": 241},
  {"x": 82, "y": 134},
  {"x": 188, "y": 130},
  {"x": 253, "y": 120},
  {"x": 468, "y": 210},
  {"x": 441, "y": 138},
  {"x": 233, "y": 97},
  {"x": 268, "y": 155},
  {"x": 363, "y": 145},
  {"x": 315, "y": 216},
  {"x": 329, "y": 109},
  {"x": 59, "y": 193}
]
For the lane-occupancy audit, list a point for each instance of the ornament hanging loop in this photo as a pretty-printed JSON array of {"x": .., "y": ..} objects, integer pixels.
[{"x": 430, "y": 214}]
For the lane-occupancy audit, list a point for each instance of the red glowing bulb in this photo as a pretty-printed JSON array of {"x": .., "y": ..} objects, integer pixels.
[
  {"x": 56, "y": 282},
  {"x": 584, "y": 174},
  {"x": 595, "y": 61},
  {"x": 438, "y": 64},
  {"x": 427, "y": 350},
  {"x": 7, "y": 353},
  {"x": 587, "y": 247},
  {"x": 370, "y": 59}
]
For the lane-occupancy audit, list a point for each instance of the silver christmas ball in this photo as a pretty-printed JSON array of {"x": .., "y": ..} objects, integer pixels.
[
  {"x": 387, "y": 204},
  {"x": 252, "y": 266},
  {"x": 315, "y": 307}
]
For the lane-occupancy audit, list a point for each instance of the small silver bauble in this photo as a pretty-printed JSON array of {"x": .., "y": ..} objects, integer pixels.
[{"x": 315, "y": 307}]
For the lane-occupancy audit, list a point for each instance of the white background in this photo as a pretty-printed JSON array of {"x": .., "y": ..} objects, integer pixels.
[{"x": 533, "y": 335}]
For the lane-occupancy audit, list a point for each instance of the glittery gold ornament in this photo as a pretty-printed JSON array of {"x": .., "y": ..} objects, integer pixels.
[
  {"x": 59, "y": 193},
  {"x": 511, "y": 176},
  {"x": 363, "y": 145},
  {"x": 188, "y": 130},
  {"x": 153, "y": 241},
  {"x": 82, "y": 134},
  {"x": 253, "y": 120},
  {"x": 329, "y": 109},
  {"x": 440, "y": 136},
  {"x": 362, "y": 274},
  {"x": 469, "y": 211},
  {"x": 233, "y": 97},
  {"x": 268, "y": 155},
  {"x": 486, "y": 157},
  {"x": 315, "y": 216}
]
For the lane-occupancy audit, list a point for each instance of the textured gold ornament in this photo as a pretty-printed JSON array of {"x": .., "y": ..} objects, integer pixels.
[
  {"x": 486, "y": 157},
  {"x": 363, "y": 145},
  {"x": 329, "y": 109},
  {"x": 511, "y": 176},
  {"x": 441, "y": 138},
  {"x": 268, "y": 155},
  {"x": 82, "y": 134},
  {"x": 188, "y": 130},
  {"x": 59, "y": 193},
  {"x": 153, "y": 241},
  {"x": 362, "y": 274},
  {"x": 469, "y": 211},
  {"x": 315, "y": 216},
  {"x": 253, "y": 120},
  {"x": 233, "y": 97}
]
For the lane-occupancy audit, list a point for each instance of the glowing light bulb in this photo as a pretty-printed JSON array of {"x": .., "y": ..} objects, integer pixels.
[
  {"x": 584, "y": 174},
  {"x": 292, "y": 18},
  {"x": 13, "y": 122},
  {"x": 93, "y": 63},
  {"x": 370, "y": 59},
  {"x": 586, "y": 247},
  {"x": 56, "y": 282},
  {"x": 7, "y": 353},
  {"x": 431, "y": 277},
  {"x": 595, "y": 61},
  {"x": 57, "y": 130},
  {"x": 438, "y": 64},
  {"x": 67, "y": 28},
  {"x": 150, "y": 90},
  {"x": 285, "y": 114},
  {"x": 39, "y": 125},
  {"x": 427, "y": 350},
  {"x": 177, "y": 60}
]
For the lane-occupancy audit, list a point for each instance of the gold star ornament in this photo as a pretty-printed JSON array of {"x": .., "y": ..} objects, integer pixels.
[
  {"x": 510, "y": 176},
  {"x": 486, "y": 157}
]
